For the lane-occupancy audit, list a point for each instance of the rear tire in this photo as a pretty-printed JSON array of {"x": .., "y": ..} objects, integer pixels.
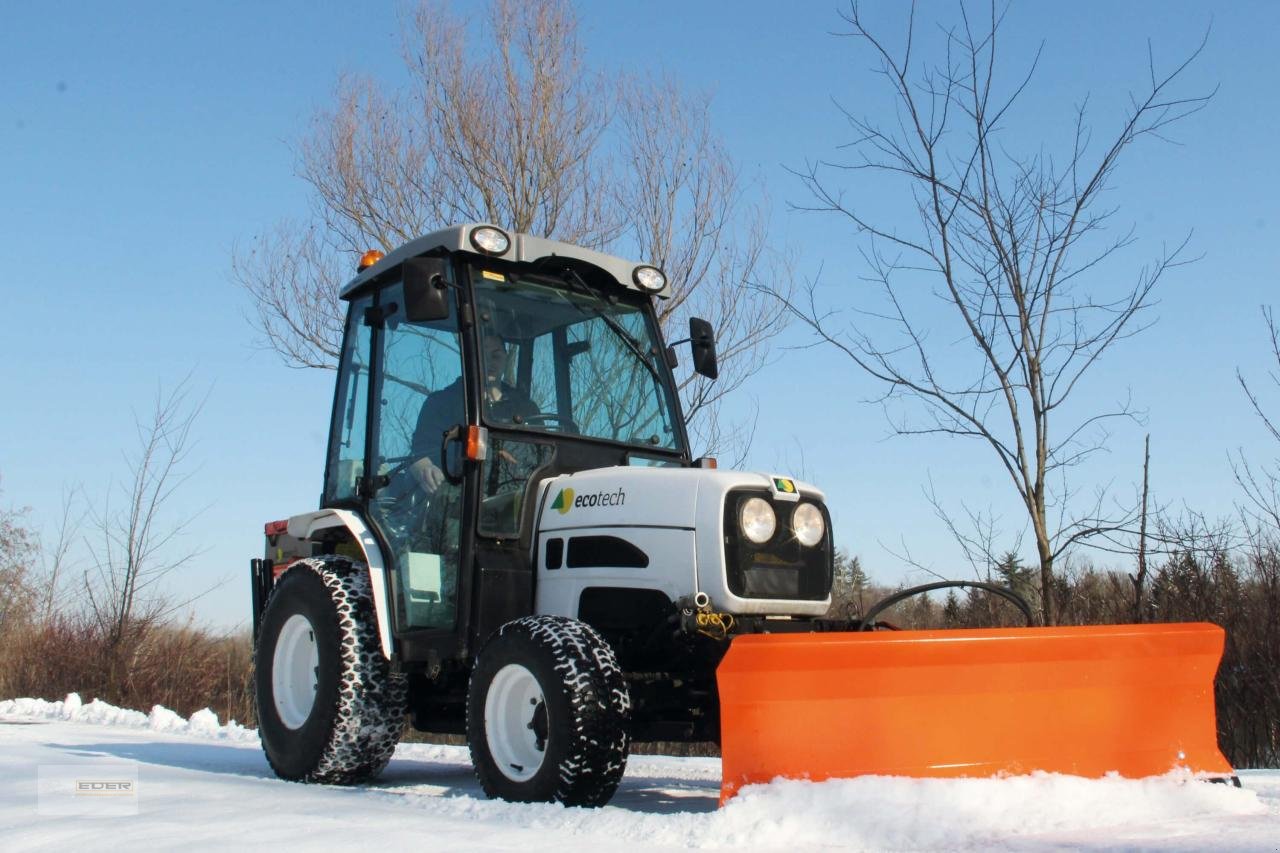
[
  {"x": 329, "y": 708},
  {"x": 547, "y": 714}
]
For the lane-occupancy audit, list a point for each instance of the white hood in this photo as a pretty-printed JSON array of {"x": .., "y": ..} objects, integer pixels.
[{"x": 675, "y": 515}]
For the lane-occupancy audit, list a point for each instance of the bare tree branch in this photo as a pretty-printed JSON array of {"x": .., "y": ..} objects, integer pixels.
[
  {"x": 503, "y": 122},
  {"x": 1261, "y": 484},
  {"x": 1013, "y": 246},
  {"x": 137, "y": 545}
]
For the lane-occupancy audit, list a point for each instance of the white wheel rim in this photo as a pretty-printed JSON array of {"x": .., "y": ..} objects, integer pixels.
[
  {"x": 294, "y": 670},
  {"x": 509, "y": 708}
]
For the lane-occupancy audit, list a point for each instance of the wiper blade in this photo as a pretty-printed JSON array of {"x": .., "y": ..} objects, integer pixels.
[{"x": 574, "y": 280}]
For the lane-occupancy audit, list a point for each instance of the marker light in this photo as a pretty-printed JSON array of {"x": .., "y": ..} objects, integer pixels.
[
  {"x": 807, "y": 524},
  {"x": 649, "y": 278},
  {"x": 477, "y": 447},
  {"x": 490, "y": 240},
  {"x": 757, "y": 520},
  {"x": 368, "y": 259}
]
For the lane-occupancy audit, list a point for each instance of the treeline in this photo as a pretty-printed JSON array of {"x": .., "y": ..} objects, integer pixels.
[
  {"x": 51, "y": 644},
  {"x": 1238, "y": 589}
]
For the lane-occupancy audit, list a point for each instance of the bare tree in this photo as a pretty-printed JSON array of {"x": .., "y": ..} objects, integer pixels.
[
  {"x": 1261, "y": 485},
  {"x": 1010, "y": 246},
  {"x": 511, "y": 127},
  {"x": 681, "y": 197},
  {"x": 56, "y": 556},
  {"x": 136, "y": 546},
  {"x": 31, "y": 570},
  {"x": 17, "y": 553},
  {"x": 1139, "y": 580}
]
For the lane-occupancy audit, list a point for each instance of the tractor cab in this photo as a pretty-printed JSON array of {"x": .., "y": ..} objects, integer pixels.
[{"x": 474, "y": 366}]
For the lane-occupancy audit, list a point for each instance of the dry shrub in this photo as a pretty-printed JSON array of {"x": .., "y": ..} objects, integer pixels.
[{"x": 177, "y": 665}]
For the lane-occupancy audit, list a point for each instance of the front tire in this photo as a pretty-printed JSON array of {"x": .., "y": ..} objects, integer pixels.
[
  {"x": 329, "y": 708},
  {"x": 547, "y": 714}
]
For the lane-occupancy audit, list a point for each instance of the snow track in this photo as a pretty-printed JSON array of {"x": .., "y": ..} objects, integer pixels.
[{"x": 207, "y": 786}]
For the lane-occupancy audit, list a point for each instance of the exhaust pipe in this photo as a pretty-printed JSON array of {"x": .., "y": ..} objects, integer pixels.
[{"x": 688, "y": 610}]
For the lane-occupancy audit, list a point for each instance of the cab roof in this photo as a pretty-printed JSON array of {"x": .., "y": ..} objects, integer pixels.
[{"x": 524, "y": 248}]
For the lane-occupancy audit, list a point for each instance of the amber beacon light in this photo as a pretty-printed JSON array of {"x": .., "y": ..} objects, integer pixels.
[{"x": 368, "y": 259}]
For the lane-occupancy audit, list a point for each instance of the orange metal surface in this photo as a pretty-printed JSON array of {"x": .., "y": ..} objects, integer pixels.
[{"x": 1132, "y": 699}]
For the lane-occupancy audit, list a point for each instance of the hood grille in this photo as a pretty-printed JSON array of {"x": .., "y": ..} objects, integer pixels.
[{"x": 781, "y": 568}]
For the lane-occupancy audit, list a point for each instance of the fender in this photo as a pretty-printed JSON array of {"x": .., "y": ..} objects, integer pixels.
[{"x": 308, "y": 523}]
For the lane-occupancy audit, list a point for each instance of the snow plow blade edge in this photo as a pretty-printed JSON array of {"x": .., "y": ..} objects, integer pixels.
[{"x": 1086, "y": 701}]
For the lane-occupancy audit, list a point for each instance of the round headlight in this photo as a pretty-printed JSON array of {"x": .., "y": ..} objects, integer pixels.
[
  {"x": 808, "y": 525},
  {"x": 649, "y": 279},
  {"x": 490, "y": 240},
  {"x": 757, "y": 520}
]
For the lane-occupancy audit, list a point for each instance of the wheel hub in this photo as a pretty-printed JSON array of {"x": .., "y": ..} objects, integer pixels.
[
  {"x": 515, "y": 721},
  {"x": 294, "y": 671}
]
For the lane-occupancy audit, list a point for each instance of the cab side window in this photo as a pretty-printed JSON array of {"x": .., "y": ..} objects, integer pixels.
[{"x": 350, "y": 414}]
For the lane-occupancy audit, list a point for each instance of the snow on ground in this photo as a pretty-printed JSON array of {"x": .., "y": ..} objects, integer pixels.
[{"x": 202, "y": 786}]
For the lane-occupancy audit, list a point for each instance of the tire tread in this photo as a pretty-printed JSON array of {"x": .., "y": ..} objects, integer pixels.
[
  {"x": 369, "y": 718},
  {"x": 599, "y": 708}
]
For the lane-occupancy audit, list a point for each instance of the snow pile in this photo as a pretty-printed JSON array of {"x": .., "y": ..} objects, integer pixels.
[
  {"x": 870, "y": 813},
  {"x": 898, "y": 813},
  {"x": 203, "y": 724}
]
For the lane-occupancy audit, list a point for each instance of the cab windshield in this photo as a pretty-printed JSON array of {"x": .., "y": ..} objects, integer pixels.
[{"x": 558, "y": 357}]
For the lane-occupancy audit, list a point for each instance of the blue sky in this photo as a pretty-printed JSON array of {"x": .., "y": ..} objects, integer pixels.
[{"x": 140, "y": 142}]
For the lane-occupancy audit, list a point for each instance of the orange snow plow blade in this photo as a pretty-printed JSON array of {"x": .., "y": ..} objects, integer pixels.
[{"x": 1087, "y": 701}]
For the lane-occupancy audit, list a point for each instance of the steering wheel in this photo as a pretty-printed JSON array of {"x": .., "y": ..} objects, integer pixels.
[
  {"x": 562, "y": 423},
  {"x": 397, "y": 466}
]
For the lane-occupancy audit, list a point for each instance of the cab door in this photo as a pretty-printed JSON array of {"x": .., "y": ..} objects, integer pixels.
[{"x": 416, "y": 502}]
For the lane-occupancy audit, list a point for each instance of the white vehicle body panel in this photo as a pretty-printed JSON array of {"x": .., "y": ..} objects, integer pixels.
[
  {"x": 303, "y": 526},
  {"x": 670, "y": 570},
  {"x": 524, "y": 248}
]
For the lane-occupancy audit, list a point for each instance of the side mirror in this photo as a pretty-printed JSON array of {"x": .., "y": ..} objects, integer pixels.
[
  {"x": 702, "y": 339},
  {"x": 426, "y": 296}
]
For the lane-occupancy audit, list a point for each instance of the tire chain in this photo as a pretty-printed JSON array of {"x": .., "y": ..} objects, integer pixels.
[
  {"x": 371, "y": 698},
  {"x": 598, "y": 699}
]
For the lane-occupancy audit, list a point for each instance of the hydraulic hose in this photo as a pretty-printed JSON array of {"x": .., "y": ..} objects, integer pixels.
[{"x": 869, "y": 620}]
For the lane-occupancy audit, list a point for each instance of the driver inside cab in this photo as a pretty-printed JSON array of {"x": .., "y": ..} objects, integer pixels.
[{"x": 502, "y": 402}]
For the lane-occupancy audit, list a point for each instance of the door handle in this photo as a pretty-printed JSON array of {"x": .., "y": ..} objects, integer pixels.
[{"x": 454, "y": 433}]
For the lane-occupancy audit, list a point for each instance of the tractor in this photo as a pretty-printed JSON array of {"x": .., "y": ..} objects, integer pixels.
[{"x": 515, "y": 543}]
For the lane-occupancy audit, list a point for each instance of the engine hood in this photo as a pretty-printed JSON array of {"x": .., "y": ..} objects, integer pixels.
[{"x": 675, "y": 517}]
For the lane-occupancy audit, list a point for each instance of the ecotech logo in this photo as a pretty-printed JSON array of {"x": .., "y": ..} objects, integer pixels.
[{"x": 568, "y": 499}]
